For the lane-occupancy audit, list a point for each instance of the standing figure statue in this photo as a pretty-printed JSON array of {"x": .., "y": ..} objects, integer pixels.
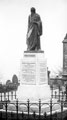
[{"x": 34, "y": 31}]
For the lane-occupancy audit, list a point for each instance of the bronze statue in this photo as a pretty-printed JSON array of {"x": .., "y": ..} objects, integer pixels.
[{"x": 34, "y": 31}]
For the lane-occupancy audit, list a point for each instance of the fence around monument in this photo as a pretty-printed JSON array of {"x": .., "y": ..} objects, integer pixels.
[
  {"x": 20, "y": 110},
  {"x": 10, "y": 110}
]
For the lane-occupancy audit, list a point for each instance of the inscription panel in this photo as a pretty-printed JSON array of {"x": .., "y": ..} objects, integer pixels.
[
  {"x": 28, "y": 72},
  {"x": 43, "y": 72}
]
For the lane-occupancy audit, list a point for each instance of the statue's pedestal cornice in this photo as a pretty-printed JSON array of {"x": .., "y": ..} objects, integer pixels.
[{"x": 34, "y": 51}]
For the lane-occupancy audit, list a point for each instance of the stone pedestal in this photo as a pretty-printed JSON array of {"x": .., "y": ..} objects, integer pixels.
[{"x": 33, "y": 77}]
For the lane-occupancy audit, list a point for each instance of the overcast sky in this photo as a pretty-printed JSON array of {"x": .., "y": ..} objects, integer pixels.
[{"x": 13, "y": 29}]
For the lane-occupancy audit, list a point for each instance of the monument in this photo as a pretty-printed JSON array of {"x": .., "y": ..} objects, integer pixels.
[{"x": 33, "y": 72}]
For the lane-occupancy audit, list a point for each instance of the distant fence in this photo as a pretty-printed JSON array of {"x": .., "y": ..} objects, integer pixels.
[
  {"x": 19, "y": 110},
  {"x": 8, "y": 95},
  {"x": 12, "y": 95},
  {"x": 58, "y": 93}
]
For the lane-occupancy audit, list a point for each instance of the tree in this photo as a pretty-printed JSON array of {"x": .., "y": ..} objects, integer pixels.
[
  {"x": 0, "y": 85},
  {"x": 8, "y": 82}
]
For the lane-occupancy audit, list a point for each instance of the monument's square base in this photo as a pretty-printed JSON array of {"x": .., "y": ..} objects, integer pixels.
[
  {"x": 33, "y": 77},
  {"x": 33, "y": 92}
]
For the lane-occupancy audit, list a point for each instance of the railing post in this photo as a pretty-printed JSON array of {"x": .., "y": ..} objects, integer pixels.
[
  {"x": 61, "y": 109},
  {"x": 6, "y": 108},
  {"x": 34, "y": 115},
  {"x": 4, "y": 96},
  {"x": 1, "y": 115},
  {"x": 28, "y": 107},
  {"x": 51, "y": 109},
  {"x": 8, "y": 96},
  {"x": 45, "y": 116},
  {"x": 51, "y": 91},
  {"x": 62, "y": 95},
  {"x": 22, "y": 115},
  {"x": 15, "y": 94},
  {"x": 17, "y": 108},
  {"x": 39, "y": 109},
  {"x": 59, "y": 93},
  {"x": 11, "y": 95},
  {"x": 1, "y": 96},
  {"x": 55, "y": 116},
  {"x": 55, "y": 94},
  {"x": 11, "y": 116}
]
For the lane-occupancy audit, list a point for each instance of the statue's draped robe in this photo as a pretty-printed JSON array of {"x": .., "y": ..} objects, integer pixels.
[{"x": 34, "y": 32}]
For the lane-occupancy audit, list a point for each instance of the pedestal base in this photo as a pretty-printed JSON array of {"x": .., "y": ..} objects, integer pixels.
[
  {"x": 33, "y": 77},
  {"x": 33, "y": 92}
]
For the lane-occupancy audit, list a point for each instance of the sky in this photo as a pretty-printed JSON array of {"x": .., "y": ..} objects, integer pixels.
[{"x": 13, "y": 29}]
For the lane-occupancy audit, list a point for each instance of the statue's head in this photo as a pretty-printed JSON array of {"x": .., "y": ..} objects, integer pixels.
[{"x": 33, "y": 10}]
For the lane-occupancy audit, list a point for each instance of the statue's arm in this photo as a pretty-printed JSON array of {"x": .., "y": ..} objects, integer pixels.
[{"x": 39, "y": 23}]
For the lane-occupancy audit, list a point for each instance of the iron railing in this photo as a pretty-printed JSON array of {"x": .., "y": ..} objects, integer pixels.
[{"x": 20, "y": 110}]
